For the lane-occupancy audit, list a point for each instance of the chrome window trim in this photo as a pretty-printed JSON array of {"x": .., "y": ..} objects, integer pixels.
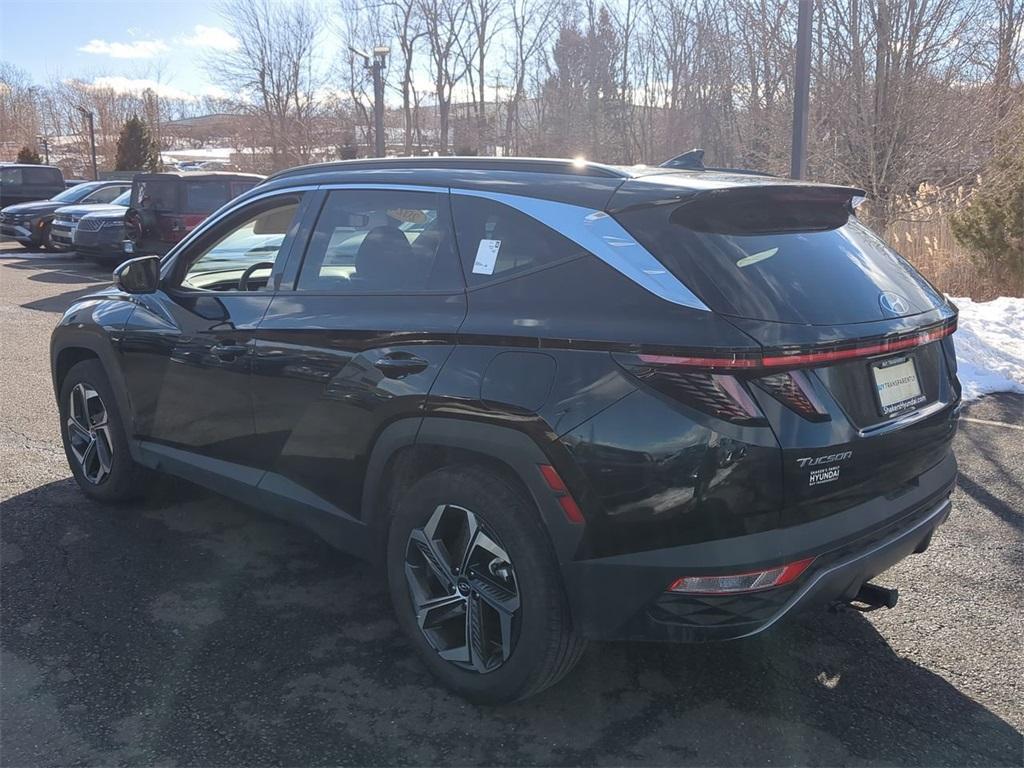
[
  {"x": 604, "y": 237},
  {"x": 596, "y": 231}
]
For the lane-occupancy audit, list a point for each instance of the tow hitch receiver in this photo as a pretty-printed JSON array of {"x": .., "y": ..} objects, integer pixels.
[{"x": 874, "y": 596}]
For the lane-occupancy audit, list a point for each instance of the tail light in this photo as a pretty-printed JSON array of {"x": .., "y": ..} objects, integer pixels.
[
  {"x": 719, "y": 394},
  {"x": 715, "y": 381},
  {"x": 793, "y": 389},
  {"x": 751, "y": 581}
]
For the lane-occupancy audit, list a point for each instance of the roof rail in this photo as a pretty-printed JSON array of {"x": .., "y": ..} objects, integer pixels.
[{"x": 528, "y": 164}]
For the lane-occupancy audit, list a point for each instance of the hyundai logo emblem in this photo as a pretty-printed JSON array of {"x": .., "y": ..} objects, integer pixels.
[{"x": 893, "y": 303}]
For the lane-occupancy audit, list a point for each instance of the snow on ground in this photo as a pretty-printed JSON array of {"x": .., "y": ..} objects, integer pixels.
[{"x": 990, "y": 346}]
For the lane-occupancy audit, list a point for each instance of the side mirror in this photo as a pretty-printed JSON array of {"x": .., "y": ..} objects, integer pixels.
[{"x": 138, "y": 275}]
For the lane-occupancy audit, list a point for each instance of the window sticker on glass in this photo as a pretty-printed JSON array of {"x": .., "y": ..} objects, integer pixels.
[
  {"x": 407, "y": 215},
  {"x": 753, "y": 258},
  {"x": 486, "y": 256}
]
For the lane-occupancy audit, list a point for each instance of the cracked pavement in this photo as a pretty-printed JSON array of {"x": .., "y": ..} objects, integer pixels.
[{"x": 191, "y": 630}]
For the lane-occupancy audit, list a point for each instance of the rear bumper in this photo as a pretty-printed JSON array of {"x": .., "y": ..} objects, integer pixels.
[{"x": 624, "y": 597}]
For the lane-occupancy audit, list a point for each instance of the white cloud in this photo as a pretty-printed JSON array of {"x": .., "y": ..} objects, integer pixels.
[
  {"x": 120, "y": 84},
  {"x": 139, "y": 49},
  {"x": 215, "y": 38}
]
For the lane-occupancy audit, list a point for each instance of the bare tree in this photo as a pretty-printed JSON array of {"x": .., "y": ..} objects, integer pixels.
[
  {"x": 274, "y": 70},
  {"x": 446, "y": 23}
]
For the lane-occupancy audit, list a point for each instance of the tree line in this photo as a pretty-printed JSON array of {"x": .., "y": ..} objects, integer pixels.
[{"x": 902, "y": 91}]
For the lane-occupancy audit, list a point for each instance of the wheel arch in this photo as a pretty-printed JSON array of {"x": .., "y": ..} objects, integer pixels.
[
  {"x": 411, "y": 448},
  {"x": 71, "y": 346}
]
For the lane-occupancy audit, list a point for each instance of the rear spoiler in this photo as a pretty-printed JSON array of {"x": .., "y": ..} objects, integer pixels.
[{"x": 712, "y": 190}]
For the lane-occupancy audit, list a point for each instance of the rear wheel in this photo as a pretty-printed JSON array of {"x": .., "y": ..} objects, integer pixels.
[
  {"x": 94, "y": 436},
  {"x": 476, "y": 587}
]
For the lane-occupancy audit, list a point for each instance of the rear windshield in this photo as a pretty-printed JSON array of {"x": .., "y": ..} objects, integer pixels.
[
  {"x": 206, "y": 196},
  {"x": 156, "y": 195},
  {"x": 813, "y": 269}
]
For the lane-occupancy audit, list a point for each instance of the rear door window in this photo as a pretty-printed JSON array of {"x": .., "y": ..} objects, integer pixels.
[
  {"x": 812, "y": 267},
  {"x": 497, "y": 241},
  {"x": 10, "y": 177},
  {"x": 103, "y": 195}
]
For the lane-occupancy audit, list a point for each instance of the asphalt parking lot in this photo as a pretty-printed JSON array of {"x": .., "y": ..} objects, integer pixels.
[{"x": 190, "y": 630}]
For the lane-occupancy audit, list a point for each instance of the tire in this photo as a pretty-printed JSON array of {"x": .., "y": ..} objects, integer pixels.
[
  {"x": 522, "y": 650},
  {"x": 94, "y": 437}
]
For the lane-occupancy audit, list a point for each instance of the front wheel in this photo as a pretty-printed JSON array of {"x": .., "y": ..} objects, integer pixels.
[
  {"x": 94, "y": 436},
  {"x": 476, "y": 586}
]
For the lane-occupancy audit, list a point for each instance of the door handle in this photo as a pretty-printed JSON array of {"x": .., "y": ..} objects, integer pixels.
[
  {"x": 395, "y": 367},
  {"x": 229, "y": 351}
]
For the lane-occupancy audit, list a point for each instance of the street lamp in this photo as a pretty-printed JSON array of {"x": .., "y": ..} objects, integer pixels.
[
  {"x": 87, "y": 114},
  {"x": 44, "y": 142},
  {"x": 376, "y": 64},
  {"x": 801, "y": 89}
]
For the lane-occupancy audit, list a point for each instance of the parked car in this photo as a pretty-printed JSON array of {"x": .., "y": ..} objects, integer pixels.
[
  {"x": 167, "y": 206},
  {"x": 23, "y": 183},
  {"x": 555, "y": 401},
  {"x": 68, "y": 220},
  {"x": 30, "y": 223}
]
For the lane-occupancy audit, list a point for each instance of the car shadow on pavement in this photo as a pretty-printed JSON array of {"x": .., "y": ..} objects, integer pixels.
[
  {"x": 86, "y": 276},
  {"x": 189, "y": 629}
]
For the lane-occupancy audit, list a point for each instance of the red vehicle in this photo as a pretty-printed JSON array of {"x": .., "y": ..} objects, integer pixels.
[{"x": 167, "y": 206}]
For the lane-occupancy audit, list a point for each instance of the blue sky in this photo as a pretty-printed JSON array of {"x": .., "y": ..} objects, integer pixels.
[{"x": 164, "y": 41}]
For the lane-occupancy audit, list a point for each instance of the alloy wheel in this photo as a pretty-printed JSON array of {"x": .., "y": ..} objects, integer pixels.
[
  {"x": 89, "y": 433},
  {"x": 464, "y": 590}
]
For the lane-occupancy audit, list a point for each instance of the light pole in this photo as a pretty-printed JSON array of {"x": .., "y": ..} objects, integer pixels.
[
  {"x": 87, "y": 114},
  {"x": 44, "y": 142},
  {"x": 801, "y": 90},
  {"x": 376, "y": 64}
]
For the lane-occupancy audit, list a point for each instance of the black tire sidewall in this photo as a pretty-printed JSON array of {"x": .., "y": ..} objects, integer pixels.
[
  {"x": 120, "y": 484},
  {"x": 510, "y": 517}
]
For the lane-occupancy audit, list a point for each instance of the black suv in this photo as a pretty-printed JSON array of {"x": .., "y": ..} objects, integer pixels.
[{"x": 554, "y": 401}]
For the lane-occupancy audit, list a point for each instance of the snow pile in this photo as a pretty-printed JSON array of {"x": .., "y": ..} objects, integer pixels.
[{"x": 990, "y": 346}]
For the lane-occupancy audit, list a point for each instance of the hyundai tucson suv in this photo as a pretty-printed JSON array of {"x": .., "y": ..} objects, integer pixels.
[
  {"x": 30, "y": 223},
  {"x": 553, "y": 402}
]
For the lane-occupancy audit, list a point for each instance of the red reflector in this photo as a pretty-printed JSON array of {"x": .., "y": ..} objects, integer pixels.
[
  {"x": 552, "y": 479},
  {"x": 572, "y": 511},
  {"x": 741, "y": 582},
  {"x": 569, "y": 506}
]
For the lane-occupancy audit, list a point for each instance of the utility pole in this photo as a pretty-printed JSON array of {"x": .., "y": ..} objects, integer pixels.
[
  {"x": 87, "y": 114},
  {"x": 801, "y": 90},
  {"x": 376, "y": 64},
  {"x": 44, "y": 142}
]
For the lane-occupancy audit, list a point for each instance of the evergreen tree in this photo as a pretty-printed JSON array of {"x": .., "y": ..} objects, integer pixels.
[
  {"x": 136, "y": 150},
  {"x": 992, "y": 223},
  {"x": 29, "y": 155}
]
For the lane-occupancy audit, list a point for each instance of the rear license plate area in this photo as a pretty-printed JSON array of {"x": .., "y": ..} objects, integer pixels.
[{"x": 897, "y": 385}]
